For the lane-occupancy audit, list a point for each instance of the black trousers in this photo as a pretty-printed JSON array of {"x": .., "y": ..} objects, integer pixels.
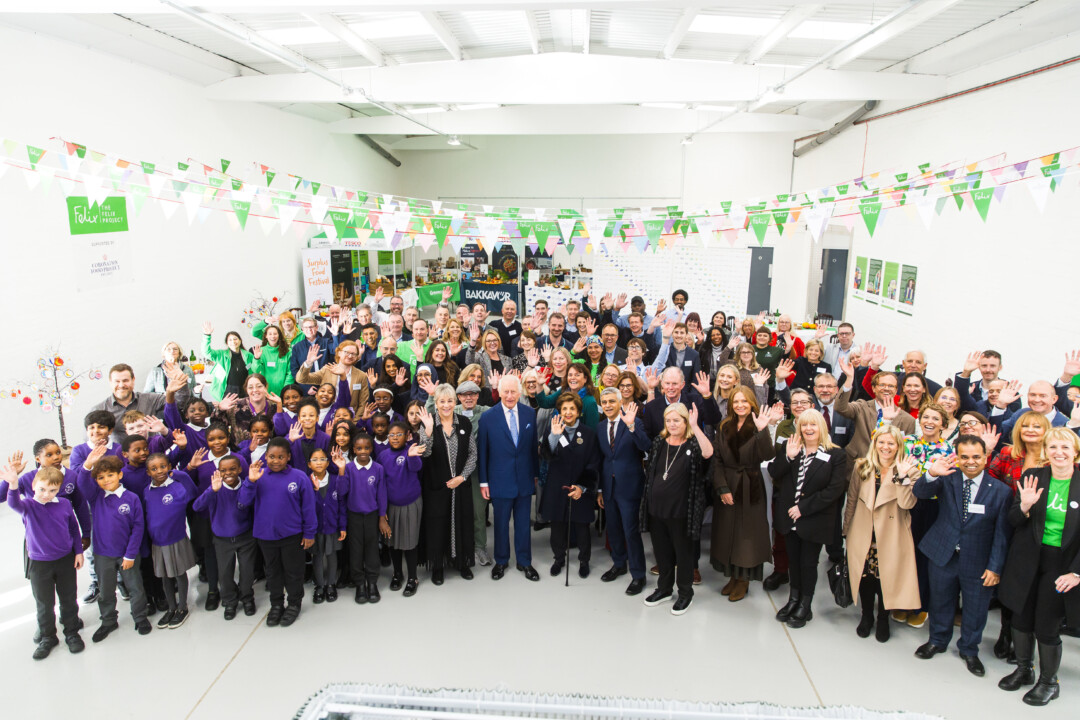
[
  {"x": 284, "y": 569},
  {"x": 202, "y": 540},
  {"x": 363, "y": 539},
  {"x": 558, "y": 540},
  {"x": 674, "y": 552},
  {"x": 803, "y": 558},
  {"x": 230, "y": 552},
  {"x": 49, "y": 578},
  {"x": 1044, "y": 609}
]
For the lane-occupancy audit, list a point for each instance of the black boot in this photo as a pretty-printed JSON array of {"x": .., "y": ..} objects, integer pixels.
[
  {"x": 1047, "y": 688},
  {"x": 867, "y": 597},
  {"x": 881, "y": 634},
  {"x": 1004, "y": 641},
  {"x": 801, "y": 614},
  {"x": 793, "y": 600},
  {"x": 1024, "y": 674}
]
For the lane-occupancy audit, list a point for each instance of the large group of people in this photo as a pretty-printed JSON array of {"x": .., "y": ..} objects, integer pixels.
[{"x": 369, "y": 437}]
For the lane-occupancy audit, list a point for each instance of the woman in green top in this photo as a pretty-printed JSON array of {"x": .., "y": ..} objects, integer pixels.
[
  {"x": 1043, "y": 566},
  {"x": 578, "y": 381},
  {"x": 271, "y": 360},
  {"x": 230, "y": 365},
  {"x": 287, "y": 322}
]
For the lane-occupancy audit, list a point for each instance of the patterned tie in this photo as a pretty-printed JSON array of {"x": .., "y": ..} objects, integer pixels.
[
  {"x": 611, "y": 433},
  {"x": 828, "y": 420},
  {"x": 514, "y": 425},
  {"x": 967, "y": 498},
  {"x": 880, "y": 420}
]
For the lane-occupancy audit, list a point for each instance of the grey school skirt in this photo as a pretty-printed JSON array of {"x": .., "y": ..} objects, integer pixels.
[
  {"x": 404, "y": 523},
  {"x": 173, "y": 560}
]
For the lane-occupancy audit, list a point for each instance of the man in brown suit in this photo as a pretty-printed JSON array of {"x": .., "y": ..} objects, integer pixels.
[
  {"x": 867, "y": 415},
  {"x": 346, "y": 355}
]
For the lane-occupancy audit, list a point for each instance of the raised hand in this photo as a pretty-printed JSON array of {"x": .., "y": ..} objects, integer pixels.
[
  {"x": 532, "y": 357},
  {"x": 255, "y": 471},
  {"x": 546, "y": 354},
  {"x": 661, "y": 307},
  {"x": 669, "y": 327},
  {"x": 820, "y": 333},
  {"x": 989, "y": 437},
  {"x": 734, "y": 341},
  {"x": 427, "y": 385},
  {"x": 384, "y": 328},
  {"x": 427, "y": 421},
  {"x": 590, "y": 326},
  {"x": 1072, "y": 365},
  {"x": 10, "y": 475},
  {"x": 447, "y": 292},
  {"x": 761, "y": 377},
  {"x": 903, "y": 467},
  {"x": 380, "y": 294},
  {"x": 329, "y": 426},
  {"x": 776, "y": 413},
  {"x": 1009, "y": 394},
  {"x": 652, "y": 378},
  {"x": 215, "y": 481},
  {"x": 629, "y": 414},
  {"x": 372, "y": 377},
  {"x": 415, "y": 450},
  {"x": 208, "y": 328},
  {"x": 369, "y": 411},
  {"x": 878, "y": 356},
  {"x": 295, "y": 432},
  {"x": 338, "y": 369},
  {"x": 701, "y": 384},
  {"x": 197, "y": 459},
  {"x": 179, "y": 438},
  {"x": 16, "y": 461},
  {"x": 760, "y": 421},
  {"x": 337, "y": 456},
  {"x": 1030, "y": 492},
  {"x": 794, "y": 446},
  {"x": 176, "y": 384},
  {"x": 971, "y": 363},
  {"x": 494, "y": 379},
  {"x": 335, "y": 325},
  {"x": 313, "y": 354},
  {"x": 579, "y": 345},
  {"x": 257, "y": 352},
  {"x": 474, "y": 333},
  {"x": 606, "y": 301},
  {"x": 942, "y": 465},
  {"x": 889, "y": 408},
  {"x": 347, "y": 325},
  {"x": 847, "y": 369},
  {"x": 314, "y": 307},
  {"x": 785, "y": 369},
  {"x": 95, "y": 455},
  {"x": 693, "y": 418},
  {"x": 620, "y": 301},
  {"x": 228, "y": 402},
  {"x": 557, "y": 425}
]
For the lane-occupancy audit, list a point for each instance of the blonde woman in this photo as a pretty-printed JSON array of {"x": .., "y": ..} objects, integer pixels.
[
  {"x": 949, "y": 400},
  {"x": 810, "y": 365},
  {"x": 673, "y": 503},
  {"x": 729, "y": 377},
  {"x": 475, "y": 373},
  {"x": 156, "y": 380},
  {"x": 808, "y": 481},
  {"x": 746, "y": 358},
  {"x": 456, "y": 341},
  {"x": 877, "y": 525},
  {"x": 486, "y": 351}
]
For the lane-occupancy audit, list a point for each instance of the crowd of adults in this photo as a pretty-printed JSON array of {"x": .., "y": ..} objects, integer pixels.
[{"x": 938, "y": 500}]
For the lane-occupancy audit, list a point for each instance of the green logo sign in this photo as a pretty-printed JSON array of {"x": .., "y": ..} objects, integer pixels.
[{"x": 85, "y": 217}]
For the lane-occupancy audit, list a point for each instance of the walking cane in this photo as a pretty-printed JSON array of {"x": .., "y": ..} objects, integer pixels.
[{"x": 569, "y": 526}]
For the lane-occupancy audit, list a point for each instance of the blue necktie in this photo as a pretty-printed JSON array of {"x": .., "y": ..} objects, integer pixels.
[{"x": 513, "y": 425}]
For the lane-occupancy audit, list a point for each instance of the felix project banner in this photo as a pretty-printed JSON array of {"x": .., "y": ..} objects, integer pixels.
[
  {"x": 492, "y": 295},
  {"x": 99, "y": 230}
]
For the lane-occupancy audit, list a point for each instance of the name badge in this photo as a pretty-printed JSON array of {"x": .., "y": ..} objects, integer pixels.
[
  {"x": 563, "y": 441},
  {"x": 688, "y": 363},
  {"x": 820, "y": 370},
  {"x": 976, "y": 509},
  {"x": 512, "y": 333},
  {"x": 271, "y": 364},
  {"x": 358, "y": 386},
  {"x": 840, "y": 431},
  {"x": 820, "y": 455}
]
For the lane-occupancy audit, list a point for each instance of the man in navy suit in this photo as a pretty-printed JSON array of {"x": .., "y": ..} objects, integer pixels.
[
  {"x": 840, "y": 428},
  {"x": 298, "y": 355},
  {"x": 1042, "y": 398},
  {"x": 508, "y": 465},
  {"x": 622, "y": 441},
  {"x": 673, "y": 389},
  {"x": 966, "y": 547}
]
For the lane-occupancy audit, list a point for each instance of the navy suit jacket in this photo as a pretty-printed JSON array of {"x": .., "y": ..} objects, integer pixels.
[
  {"x": 983, "y": 539},
  {"x": 692, "y": 357},
  {"x": 507, "y": 470},
  {"x": 979, "y": 404},
  {"x": 652, "y": 414},
  {"x": 300, "y": 350},
  {"x": 621, "y": 473},
  {"x": 842, "y": 428}
]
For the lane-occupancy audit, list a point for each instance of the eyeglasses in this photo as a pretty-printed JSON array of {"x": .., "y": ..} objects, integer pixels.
[
  {"x": 969, "y": 423},
  {"x": 800, "y": 403}
]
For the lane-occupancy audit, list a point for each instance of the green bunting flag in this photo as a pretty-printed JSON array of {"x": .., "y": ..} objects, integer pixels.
[
  {"x": 725, "y": 205},
  {"x": 315, "y": 188},
  {"x": 842, "y": 189},
  {"x": 1051, "y": 171},
  {"x": 182, "y": 166},
  {"x": 138, "y": 194},
  {"x": 940, "y": 204},
  {"x": 80, "y": 150},
  {"x": 653, "y": 229},
  {"x": 241, "y": 208},
  {"x": 440, "y": 226},
  {"x": 216, "y": 181},
  {"x": 759, "y": 223},
  {"x": 780, "y": 217},
  {"x": 340, "y": 218},
  {"x": 148, "y": 168},
  {"x": 35, "y": 154},
  {"x": 270, "y": 174},
  {"x": 871, "y": 213},
  {"x": 225, "y": 165},
  {"x": 982, "y": 197},
  {"x": 901, "y": 177},
  {"x": 924, "y": 167},
  {"x": 541, "y": 230},
  {"x": 525, "y": 227},
  {"x": 236, "y": 184}
]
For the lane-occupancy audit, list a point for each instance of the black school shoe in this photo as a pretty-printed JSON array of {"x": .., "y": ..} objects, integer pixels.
[
  {"x": 143, "y": 627},
  {"x": 103, "y": 632},
  {"x": 373, "y": 593},
  {"x": 75, "y": 644},
  {"x": 45, "y": 647},
  {"x": 163, "y": 621},
  {"x": 362, "y": 595},
  {"x": 213, "y": 601},
  {"x": 273, "y": 618},
  {"x": 331, "y": 593},
  {"x": 249, "y": 607},
  {"x": 179, "y": 616},
  {"x": 289, "y": 616},
  {"x": 410, "y": 587},
  {"x": 230, "y": 612},
  {"x": 319, "y": 596},
  {"x": 396, "y": 582},
  {"x": 37, "y": 633}
]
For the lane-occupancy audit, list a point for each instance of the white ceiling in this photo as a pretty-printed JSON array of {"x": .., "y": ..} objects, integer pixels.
[{"x": 561, "y": 67}]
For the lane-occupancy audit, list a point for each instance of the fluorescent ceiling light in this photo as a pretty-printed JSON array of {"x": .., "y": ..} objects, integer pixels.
[
  {"x": 665, "y": 105},
  {"x": 824, "y": 30},
  {"x": 478, "y": 106},
  {"x": 453, "y": 140},
  {"x": 425, "y": 110},
  {"x": 409, "y": 25},
  {"x": 299, "y": 36},
  {"x": 715, "y": 108},
  {"x": 732, "y": 25}
]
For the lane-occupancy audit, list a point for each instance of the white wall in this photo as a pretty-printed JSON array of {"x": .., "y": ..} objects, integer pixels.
[
  {"x": 1007, "y": 284},
  {"x": 182, "y": 275}
]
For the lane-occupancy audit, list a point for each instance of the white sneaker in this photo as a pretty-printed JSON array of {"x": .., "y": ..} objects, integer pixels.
[{"x": 481, "y": 557}]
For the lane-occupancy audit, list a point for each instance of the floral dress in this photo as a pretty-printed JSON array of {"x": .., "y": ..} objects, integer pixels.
[{"x": 924, "y": 452}]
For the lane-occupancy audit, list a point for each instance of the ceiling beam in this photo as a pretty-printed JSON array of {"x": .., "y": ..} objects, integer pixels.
[
  {"x": 445, "y": 36},
  {"x": 581, "y": 120},
  {"x": 534, "y": 31},
  {"x": 333, "y": 25},
  {"x": 887, "y": 31},
  {"x": 342, "y": 6},
  {"x": 791, "y": 20},
  {"x": 679, "y": 32},
  {"x": 577, "y": 79}
]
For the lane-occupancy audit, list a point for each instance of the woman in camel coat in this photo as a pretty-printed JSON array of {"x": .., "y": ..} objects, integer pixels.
[{"x": 877, "y": 524}]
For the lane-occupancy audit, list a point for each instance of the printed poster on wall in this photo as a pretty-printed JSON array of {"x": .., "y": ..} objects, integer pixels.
[
  {"x": 859, "y": 283},
  {"x": 102, "y": 245},
  {"x": 317, "y": 281},
  {"x": 890, "y": 285},
  {"x": 908, "y": 276},
  {"x": 873, "y": 280}
]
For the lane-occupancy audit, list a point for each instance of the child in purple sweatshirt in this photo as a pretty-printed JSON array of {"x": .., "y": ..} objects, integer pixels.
[
  {"x": 331, "y": 528},
  {"x": 284, "y": 524},
  {"x": 362, "y": 500},
  {"x": 118, "y": 534},
  {"x": 54, "y": 547},
  {"x": 136, "y": 450},
  {"x": 47, "y": 454},
  {"x": 166, "y": 499},
  {"x": 230, "y": 521},
  {"x": 306, "y": 435},
  {"x": 401, "y": 465}
]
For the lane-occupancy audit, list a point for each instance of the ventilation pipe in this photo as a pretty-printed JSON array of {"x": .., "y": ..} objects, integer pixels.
[{"x": 836, "y": 129}]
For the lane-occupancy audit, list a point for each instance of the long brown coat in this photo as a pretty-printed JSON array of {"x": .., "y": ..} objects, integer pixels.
[
  {"x": 886, "y": 515},
  {"x": 740, "y": 532}
]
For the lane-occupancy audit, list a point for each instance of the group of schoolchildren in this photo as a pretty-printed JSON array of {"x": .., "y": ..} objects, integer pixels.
[{"x": 173, "y": 495}]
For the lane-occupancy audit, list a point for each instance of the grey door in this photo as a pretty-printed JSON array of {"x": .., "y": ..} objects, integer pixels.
[
  {"x": 833, "y": 280},
  {"x": 757, "y": 298}
]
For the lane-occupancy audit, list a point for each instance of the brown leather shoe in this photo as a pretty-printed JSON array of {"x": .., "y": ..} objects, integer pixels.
[
  {"x": 697, "y": 577},
  {"x": 726, "y": 590},
  {"x": 739, "y": 591}
]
